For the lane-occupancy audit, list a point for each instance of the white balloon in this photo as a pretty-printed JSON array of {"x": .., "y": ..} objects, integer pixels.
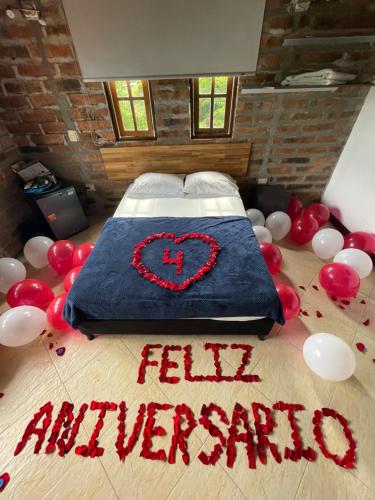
[
  {"x": 329, "y": 356},
  {"x": 262, "y": 234},
  {"x": 11, "y": 271},
  {"x": 256, "y": 217},
  {"x": 327, "y": 242},
  {"x": 21, "y": 325},
  {"x": 357, "y": 259},
  {"x": 279, "y": 224},
  {"x": 36, "y": 251}
]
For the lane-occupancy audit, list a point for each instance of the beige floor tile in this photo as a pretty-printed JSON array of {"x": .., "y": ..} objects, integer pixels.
[
  {"x": 50, "y": 476},
  {"x": 203, "y": 482},
  {"x": 79, "y": 350},
  {"x": 286, "y": 377},
  {"x": 326, "y": 481},
  {"x": 25, "y": 373}
]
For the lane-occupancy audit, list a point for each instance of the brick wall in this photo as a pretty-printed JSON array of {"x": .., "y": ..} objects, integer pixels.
[
  {"x": 13, "y": 208},
  {"x": 296, "y": 138}
]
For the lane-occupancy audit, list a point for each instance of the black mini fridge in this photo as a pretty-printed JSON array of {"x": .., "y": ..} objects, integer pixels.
[{"x": 61, "y": 210}]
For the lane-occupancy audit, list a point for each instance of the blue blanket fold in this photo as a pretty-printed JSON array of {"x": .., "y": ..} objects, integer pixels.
[{"x": 133, "y": 274}]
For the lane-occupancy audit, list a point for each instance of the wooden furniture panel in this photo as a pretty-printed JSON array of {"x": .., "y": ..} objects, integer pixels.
[{"x": 129, "y": 162}]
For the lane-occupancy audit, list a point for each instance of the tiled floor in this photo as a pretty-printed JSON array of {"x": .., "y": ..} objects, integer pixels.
[{"x": 106, "y": 370}]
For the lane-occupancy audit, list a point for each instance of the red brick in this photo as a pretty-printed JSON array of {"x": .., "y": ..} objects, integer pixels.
[
  {"x": 325, "y": 138},
  {"x": 48, "y": 139},
  {"x": 78, "y": 114},
  {"x": 13, "y": 52},
  {"x": 17, "y": 31},
  {"x": 35, "y": 70},
  {"x": 41, "y": 100},
  {"x": 84, "y": 99},
  {"x": 56, "y": 51},
  {"x": 54, "y": 127},
  {"x": 280, "y": 170},
  {"x": 69, "y": 69},
  {"x": 23, "y": 87},
  {"x": 94, "y": 125},
  {"x": 12, "y": 102},
  {"x": 38, "y": 115},
  {"x": 55, "y": 30},
  {"x": 24, "y": 128},
  {"x": 319, "y": 126},
  {"x": 6, "y": 71},
  {"x": 294, "y": 104}
]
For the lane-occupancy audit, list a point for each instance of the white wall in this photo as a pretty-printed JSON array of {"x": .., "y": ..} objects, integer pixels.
[{"x": 351, "y": 191}]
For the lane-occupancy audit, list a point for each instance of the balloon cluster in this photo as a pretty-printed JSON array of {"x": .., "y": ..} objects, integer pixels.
[
  {"x": 34, "y": 306},
  {"x": 351, "y": 260}
]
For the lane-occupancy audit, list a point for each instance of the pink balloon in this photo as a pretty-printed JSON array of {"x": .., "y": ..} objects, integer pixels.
[
  {"x": 295, "y": 207},
  {"x": 339, "y": 280},
  {"x": 290, "y": 301},
  {"x": 60, "y": 256},
  {"x": 30, "y": 292},
  {"x": 272, "y": 256},
  {"x": 303, "y": 229},
  {"x": 360, "y": 240},
  {"x": 319, "y": 211},
  {"x": 81, "y": 253},
  {"x": 71, "y": 277},
  {"x": 54, "y": 314}
]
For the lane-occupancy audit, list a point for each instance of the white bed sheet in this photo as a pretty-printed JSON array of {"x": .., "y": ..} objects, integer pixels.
[{"x": 186, "y": 206}]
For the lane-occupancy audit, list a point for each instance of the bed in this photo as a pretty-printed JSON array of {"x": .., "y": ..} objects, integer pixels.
[{"x": 175, "y": 264}]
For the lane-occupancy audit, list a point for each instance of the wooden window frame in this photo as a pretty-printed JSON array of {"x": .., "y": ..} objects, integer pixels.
[
  {"x": 230, "y": 95},
  {"x": 113, "y": 99}
]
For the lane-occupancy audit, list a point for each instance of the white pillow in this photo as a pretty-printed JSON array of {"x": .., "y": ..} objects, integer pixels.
[
  {"x": 210, "y": 183},
  {"x": 157, "y": 183}
]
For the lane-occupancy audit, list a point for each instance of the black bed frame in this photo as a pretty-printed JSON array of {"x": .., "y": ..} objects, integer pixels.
[{"x": 259, "y": 327}]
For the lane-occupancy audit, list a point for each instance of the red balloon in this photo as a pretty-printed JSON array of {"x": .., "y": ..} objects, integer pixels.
[
  {"x": 303, "y": 229},
  {"x": 319, "y": 211},
  {"x": 272, "y": 256},
  {"x": 290, "y": 301},
  {"x": 60, "y": 256},
  {"x": 54, "y": 314},
  {"x": 361, "y": 240},
  {"x": 81, "y": 253},
  {"x": 71, "y": 277},
  {"x": 30, "y": 292},
  {"x": 295, "y": 207},
  {"x": 339, "y": 280}
]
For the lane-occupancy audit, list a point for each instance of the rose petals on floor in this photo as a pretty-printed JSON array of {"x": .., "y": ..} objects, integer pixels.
[
  {"x": 319, "y": 314},
  {"x": 60, "y": 351},
  {"x": 49, "y": 335},
  {"x": 2, "y": 395},
  {"x": 366, "y": 322},
  {"x": 4, "y": 480},
  {"x": 360, "y": 346},
  {"x": 363, "y": 301},
  {"x": 341, "y": 307},
  {"x": 345, "y": 302},
  {"x": 302, "y": 287}
]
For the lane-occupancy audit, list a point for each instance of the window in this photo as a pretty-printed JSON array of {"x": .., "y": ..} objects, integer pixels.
[
  {"x": 212, "y": 106},
  {"x": 131, "y": 109}
]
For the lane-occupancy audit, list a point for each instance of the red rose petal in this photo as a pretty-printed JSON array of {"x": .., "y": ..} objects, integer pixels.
[
  {"x": 373, "y": 360},
  {"x": 315, "y": 287},
  {"x": 302, "y": 287},
  {"x": 360, "y": 346},
  {"x": 50, "y": 345},
  {"x": 319, "y": 314},
  {"x": 49, "y": 335},
  {"x": 305, "y": 313},
  {"x": 366, "y": 322},
  {"x": 341, "y": 307},
  {"x": 345, "y": 302},
  {"x": 60, "y": 351},
  {"x": 1, "y": 395},
  {"x": 363, "y": 301},
  {"x": 43, "y": 332},
  {"x": 4, "y": 480}
]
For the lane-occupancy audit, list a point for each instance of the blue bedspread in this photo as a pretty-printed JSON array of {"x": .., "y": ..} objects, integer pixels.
[{"x": 117, "y": 282}]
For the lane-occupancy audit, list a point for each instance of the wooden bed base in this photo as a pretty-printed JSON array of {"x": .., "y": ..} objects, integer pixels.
[{"x": 259, "y": 327}]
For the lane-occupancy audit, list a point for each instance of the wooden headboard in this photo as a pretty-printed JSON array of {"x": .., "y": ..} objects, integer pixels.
[{"x": 123, "y": 163}]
